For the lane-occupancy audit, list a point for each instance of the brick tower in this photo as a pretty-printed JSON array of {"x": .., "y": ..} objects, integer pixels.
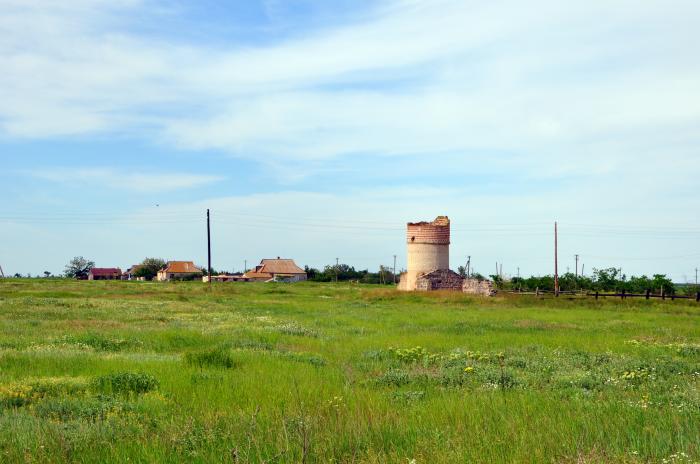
[{"x": 428, "y": 250}]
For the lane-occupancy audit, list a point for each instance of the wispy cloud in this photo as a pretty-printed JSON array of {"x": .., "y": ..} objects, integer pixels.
[
  {"x": 128, "y": 181},
  {"x": 417, "y": 77}
]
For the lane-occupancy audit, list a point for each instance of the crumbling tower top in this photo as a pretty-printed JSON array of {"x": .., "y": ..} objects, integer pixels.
[{"x": 436, "y": 232}]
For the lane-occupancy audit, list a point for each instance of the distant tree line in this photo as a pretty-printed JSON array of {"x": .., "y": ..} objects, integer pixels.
[
  {"x": 602, "y": 280},
  {"x": 345, "y": 273}
]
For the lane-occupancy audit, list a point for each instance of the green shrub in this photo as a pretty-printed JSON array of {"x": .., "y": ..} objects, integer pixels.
[
  {"x": 125, "y": 383},
  {"x": 394, "y": 377},
  {"x": 89, "y": 409},
  {"x": 211, "y": 358}
]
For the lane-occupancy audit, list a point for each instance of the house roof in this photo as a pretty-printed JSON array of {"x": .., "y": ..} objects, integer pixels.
[
  {"x": 105, "y": 271},
  {"x": 257, "y": 275},
  {"x": 182, "y": 267},
  {"x": 279, "y": 266}
]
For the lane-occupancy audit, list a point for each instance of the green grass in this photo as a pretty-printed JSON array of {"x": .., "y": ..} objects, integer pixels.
[{"x": 151, "y": 372}]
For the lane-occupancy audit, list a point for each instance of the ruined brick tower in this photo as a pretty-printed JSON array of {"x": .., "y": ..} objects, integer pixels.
[{"x": 428, "y": 250}]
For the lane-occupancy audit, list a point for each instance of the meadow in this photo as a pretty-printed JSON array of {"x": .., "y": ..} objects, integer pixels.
[{"x": 335, "y": 373}]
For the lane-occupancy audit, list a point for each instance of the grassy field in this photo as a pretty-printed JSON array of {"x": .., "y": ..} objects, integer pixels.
[{"x": 151, "y": 372}]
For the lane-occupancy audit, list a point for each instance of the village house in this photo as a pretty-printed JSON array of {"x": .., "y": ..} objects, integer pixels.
[
  {"x": 178, "y": 270},
  {"x": 105, "y": 273},
  {"x": 276, "y": 270},
  {"x": 129, "y": 273}
]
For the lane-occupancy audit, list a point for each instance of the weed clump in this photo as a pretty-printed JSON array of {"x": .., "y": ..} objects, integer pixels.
[
  {"x": 18, "y": 394},
  {"x": 296, "y": 330},
  {"x": 89, "y": 409},
  {"x": 394, "y": 377},
  {"x": 308, "y": 358},
  {"x": 408, "y": 396},
  {"x": 125, "y": 383},
  {"x": 211, "y": 358},
  {"x": 98, "y": 342}
]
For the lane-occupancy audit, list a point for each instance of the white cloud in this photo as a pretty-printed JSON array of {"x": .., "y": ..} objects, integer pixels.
[
  {"x": 128, "y": 181},
  {"x": 419, "y": 77}
]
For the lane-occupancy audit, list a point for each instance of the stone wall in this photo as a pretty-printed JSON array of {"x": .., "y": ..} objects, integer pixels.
[
  {"x": 478, "y": 287},
  {"x": 442, "y": 279}
]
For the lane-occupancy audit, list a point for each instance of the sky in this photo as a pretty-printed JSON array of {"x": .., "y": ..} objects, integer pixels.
[{"x": 315, "y": 130}]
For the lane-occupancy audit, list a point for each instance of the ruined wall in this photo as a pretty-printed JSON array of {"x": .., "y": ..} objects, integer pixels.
[
  {"x": 476, "y": 287},
  {"x": 442, "y": 279}
]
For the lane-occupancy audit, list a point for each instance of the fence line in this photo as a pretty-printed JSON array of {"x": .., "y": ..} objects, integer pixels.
[{"x": 622, "y": 295}]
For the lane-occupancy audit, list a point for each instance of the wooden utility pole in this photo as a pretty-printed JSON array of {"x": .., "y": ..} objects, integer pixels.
[
  {"x": 336, "y": 269},
  {"x": 208, "y": 248},
  {"x": 469, "y": 262},
  {"x": 556, "y": 262},
  {"x": 394, "y": 269},
  {"x": 576, "y": 256}
]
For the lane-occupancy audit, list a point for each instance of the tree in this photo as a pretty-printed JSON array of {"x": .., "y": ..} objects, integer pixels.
[
  {"x": 47, "y": 274},
  {"x": 78, "y": 268},
  {"x": 462, "y": 271},
  {"x": 149, "y": 268}
]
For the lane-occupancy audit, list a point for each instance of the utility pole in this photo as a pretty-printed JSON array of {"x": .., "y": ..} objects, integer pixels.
[
  {"x": 245, "y": 266},
  {"x": 394, "y": 269},
  {"x": 556, "y": 262},
  {"x": 518, "y": 272},
  {"x": 696, "y": 277},
  {"x": 2, "y": 274},
  {"x": 576, "y": 256},
  {"x": 500, "y": 271},
  {"x": 469, "y": 262},
  {"x": 208, "y": 249},
  {"x": 336, "y": 270},
  {"x": 583, "y": 266}
]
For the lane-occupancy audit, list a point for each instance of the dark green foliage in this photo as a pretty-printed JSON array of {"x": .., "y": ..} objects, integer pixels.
[
  {"x": 394, "y": 377},
  {"x": 78, "y": 268},
  {"x": 149, "y": 268},
  {"x": 602, "y": 280},
  {"x": 125, "y": 383},
  {"x": 345, "y": 272},
  {"x": 216, "y": 357},
  {"x": 88, "y": 409}
]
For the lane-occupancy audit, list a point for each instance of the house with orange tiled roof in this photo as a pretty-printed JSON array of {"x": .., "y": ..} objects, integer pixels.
[
  {"x": 179, "y": 270},
  {"x": 276, "y": 270}
]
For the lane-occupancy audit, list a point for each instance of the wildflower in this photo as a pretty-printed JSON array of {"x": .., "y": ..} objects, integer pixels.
[{"x": 469, "y": 369}]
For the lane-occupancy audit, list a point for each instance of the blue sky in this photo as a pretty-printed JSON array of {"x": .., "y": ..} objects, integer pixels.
[{"x": 316, "y": 129}]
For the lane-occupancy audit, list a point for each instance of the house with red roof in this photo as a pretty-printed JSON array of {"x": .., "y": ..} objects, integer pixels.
[{"x": 105, "y": 273}]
